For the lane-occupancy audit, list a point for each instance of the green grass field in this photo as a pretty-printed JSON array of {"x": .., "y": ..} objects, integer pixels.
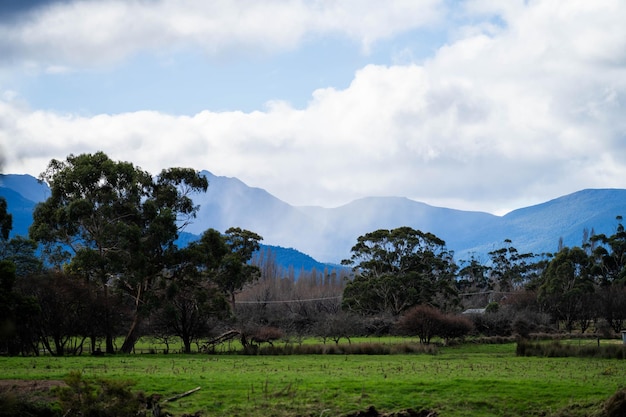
[{"x": 469, "y": 380}]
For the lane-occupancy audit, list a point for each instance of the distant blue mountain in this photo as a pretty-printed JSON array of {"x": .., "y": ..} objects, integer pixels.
[
  {"x": 327, "y": 234},
  {"x": 29, "y": 187},
  {"x": 23, "y": 192}
]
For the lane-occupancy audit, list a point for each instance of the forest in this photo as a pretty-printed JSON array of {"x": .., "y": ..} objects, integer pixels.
[{"x": 100, "y": 270}]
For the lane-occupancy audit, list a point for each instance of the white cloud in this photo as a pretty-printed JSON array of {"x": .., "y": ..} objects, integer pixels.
[
  {"x": 87, "y": 33},
  {"x": 495, "y": 120}
]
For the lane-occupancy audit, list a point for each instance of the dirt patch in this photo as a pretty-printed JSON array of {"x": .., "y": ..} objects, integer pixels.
[
  {"x": 31, "y": 389},
  {"x": 372, "y": 412}
]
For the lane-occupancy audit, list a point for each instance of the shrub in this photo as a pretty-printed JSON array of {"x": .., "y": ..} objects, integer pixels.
[
  {"x": 427, "y": 322},
  {"x": 13, "y": 405},
  {"x": 267, "y": 335},
  {"x": 616, "y": 405},
  {"x": 99, "y": 398},
  {"x": 453, "y": 327},
  {"x": 423, "y": 321},
  {"x": 557, "y": 349},
  {"x": 492, "y": 324}
]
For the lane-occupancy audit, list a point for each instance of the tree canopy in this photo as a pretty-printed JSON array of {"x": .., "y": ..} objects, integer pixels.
[
  {"x": 397, "y": 269},
  {"x": 115, "y": 222}
]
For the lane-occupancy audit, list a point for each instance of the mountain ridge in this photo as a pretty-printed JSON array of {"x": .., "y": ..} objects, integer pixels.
[{"x": 328, "y": 234}]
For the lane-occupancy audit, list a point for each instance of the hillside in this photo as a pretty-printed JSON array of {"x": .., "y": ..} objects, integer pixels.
[{"x": 327, "y": 234}]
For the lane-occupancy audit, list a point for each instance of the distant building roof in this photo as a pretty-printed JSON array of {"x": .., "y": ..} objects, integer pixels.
[{"x": 475, "y": 311}]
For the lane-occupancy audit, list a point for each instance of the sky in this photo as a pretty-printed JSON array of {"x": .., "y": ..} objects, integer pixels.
[{"x": 484, "y": 105}]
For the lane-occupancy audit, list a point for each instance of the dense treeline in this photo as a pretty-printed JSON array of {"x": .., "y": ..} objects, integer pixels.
[{"x": 100, "y": 265}]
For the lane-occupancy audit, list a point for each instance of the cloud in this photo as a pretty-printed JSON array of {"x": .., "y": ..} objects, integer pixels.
[
  {"x": 87, "y": 33},
  {"x": 496, "y": 119}
]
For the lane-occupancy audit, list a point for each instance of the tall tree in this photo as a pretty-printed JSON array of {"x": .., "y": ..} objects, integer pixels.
[
  {"x": 609, "y": 271},
  {"x": 397, "y": 269},
  {"x": 190, "y": 298},
  {"x": 235, "y": 268},
  {"x": 115, "y": 223},
  {"x": 6, "y": 220},
  {"x": 610, "y": 255},
  {"x": 511, "y": 270},
  {"x": 567, "y": 286},
  {"x": 17, "y": 312}
]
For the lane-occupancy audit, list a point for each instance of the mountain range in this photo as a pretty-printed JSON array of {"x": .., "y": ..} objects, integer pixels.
[{"x": 326, "y": 235}]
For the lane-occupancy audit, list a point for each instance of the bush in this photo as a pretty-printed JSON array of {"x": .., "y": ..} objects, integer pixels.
[
  {"x": 12, "y": 405},
  {"x": 492, "y": 324},
  {"x": 556, "y": 349},
  {"x": 453, "y": 327},
  {"x": 99, "y": 398},
  {"x": 427, "y": 322},
  {"x": 421, "y": 321},
  {"x": 616, "y": 405}
]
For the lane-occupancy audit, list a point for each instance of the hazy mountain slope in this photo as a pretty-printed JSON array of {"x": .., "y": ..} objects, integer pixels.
[
  {"x": 28, "y": 186},
  {"x": 20, "y": 208},
  {"x": 343, "y": 225},
  {"x": 327, "y": 234},
  {"x": 229, "y": 203},
  {"x": 567, "y": 217}
]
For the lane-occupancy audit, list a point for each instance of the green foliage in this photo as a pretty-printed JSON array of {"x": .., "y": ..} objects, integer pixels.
[
  {"x": 111, "y": 219},
  {"x": 17, "y": 314},
  {"x": 6, "y": 220},
  {"x": 511, "y": 269},
  {"x": 492, "y": 307},
  {"x": 12, "y": 405},
  {"x": 610, "y": 255},
  {"x": 567, "y": 284},
  {"x": 397, "y": 269},
  {"x": 99, "y": 398}
]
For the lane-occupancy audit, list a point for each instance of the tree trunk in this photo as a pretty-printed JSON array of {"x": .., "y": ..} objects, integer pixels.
[
  {"x": 110, "y": 349},
  {"x": 132, "y": 336}
]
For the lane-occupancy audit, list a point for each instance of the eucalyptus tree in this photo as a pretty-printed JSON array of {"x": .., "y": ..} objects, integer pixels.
[
  {"x": 17, "y": 311},
  {"x": 568, "y": 286},
  {"x": 6, "y": 220},
  {"x": 235, "y": 269},
  {"x": 610, "y": 255},
  {"x": 116, "y": 224},
  {"x": 189, "y": 298},
  {"x": 397, "y": 269},
  {"x": 207, "y": 274},
  {"x": 609, "y": 269},
  {"x": 511, "y": 270}
]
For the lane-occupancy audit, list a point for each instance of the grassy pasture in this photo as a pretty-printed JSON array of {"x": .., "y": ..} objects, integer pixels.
[{"x": 476, "y": 380}]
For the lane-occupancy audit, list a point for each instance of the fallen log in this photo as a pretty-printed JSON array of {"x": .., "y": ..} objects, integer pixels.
[{"x": 179, "y": 396}]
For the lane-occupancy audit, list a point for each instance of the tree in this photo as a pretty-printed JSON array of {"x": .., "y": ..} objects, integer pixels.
[
  {"x": 511, "y": 270},
  {"x": 474, "y": 283},
  {"x": 22, "y": 253},
  {"x": 16, "y": 311},
  {"x": 115, "y": 224},
  {"x": 397, "y": 269},
  {"x": 66, "y": 304},
  {"x": 610, "y": 256},
  {"x": 187, "y": 309},
  {"x": 189, "y": 299},
  {"x": 422, "y": 321},
  {"x": 6, "y": 220},
  {"x": 609, "y": 272},
  {"x": 235, "y": 270},
  {"x": 567, "y": 284}
]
